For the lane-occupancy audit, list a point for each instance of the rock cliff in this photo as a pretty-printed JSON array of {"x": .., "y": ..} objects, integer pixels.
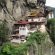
[{"x": 13, "y": 10}]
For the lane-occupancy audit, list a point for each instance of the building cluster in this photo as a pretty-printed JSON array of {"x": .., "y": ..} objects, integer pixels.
[{"x": 35, "y": 20}]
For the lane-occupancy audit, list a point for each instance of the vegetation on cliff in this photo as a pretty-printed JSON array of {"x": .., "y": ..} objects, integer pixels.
[
  {"x": 34, "y": 45},
  {"x": 51, "y": 29},
  {"x": 4, "y": 32},
  {"x": 36, "y": 38}
]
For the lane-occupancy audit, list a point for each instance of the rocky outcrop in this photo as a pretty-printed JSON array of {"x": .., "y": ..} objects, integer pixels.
[
  {"x": 15, "y": 9},
  {"x": 11, "y": 10}
]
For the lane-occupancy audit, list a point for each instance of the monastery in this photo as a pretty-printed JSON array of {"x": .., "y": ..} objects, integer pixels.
[{"x": 35, "y": 20}]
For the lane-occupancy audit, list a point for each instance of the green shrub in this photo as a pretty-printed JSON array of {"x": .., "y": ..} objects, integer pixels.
[
  {"x": 10, "y": 49},
  {"x": 51, "y": 29},
  {"x": 4, "y": 31},
  {"x": 38, "y": 37},
  {"x": 22, "y": 48}
]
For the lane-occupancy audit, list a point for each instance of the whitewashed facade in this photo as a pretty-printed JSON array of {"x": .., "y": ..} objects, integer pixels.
[
  {"x": 50, "y": 15},
  {"x": 23, "y": 30}
]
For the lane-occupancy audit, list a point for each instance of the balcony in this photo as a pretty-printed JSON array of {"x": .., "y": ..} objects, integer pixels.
[{"x": 40, "y": 19}]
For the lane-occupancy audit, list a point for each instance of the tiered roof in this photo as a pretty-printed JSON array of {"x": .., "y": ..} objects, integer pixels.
[{"x": 22, "y": 22}]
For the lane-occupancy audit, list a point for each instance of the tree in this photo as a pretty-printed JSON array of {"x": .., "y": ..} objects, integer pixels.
[
  {"x": 51, "y": 29},
  {"x": 10, "y": 49},
  {"x": 4, "y": 31},
  {"x": 37, "y": 36},
  {"x": 36, "y": 39},
  {"x": 29, "y": 46}
]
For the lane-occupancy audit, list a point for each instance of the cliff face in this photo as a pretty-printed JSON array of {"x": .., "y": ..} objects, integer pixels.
[{"x": 13, "y": 10}]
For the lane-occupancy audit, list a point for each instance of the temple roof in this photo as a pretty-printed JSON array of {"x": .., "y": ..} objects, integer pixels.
[
  {"x": 22, "y": 22},
  {"x": 36, "y": 14}
]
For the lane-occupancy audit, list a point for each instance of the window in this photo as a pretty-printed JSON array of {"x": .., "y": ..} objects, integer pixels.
[
  {"x": 22, "y": 28},
  {"x": 32, "y": 26}
]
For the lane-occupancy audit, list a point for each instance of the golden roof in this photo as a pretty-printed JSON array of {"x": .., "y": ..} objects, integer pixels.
[
  {"x": 35, "y": 13},
  {"x": 32, "y": 14}
]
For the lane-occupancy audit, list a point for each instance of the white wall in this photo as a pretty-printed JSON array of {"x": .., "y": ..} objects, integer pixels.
[
  {"x": 29, "y": 20},
  {"x": 23, "y": 32},
  {"x": 37, "y": 19},
  {"x": 51, "y": 15},
  {"x": 43, "y": 28}
]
